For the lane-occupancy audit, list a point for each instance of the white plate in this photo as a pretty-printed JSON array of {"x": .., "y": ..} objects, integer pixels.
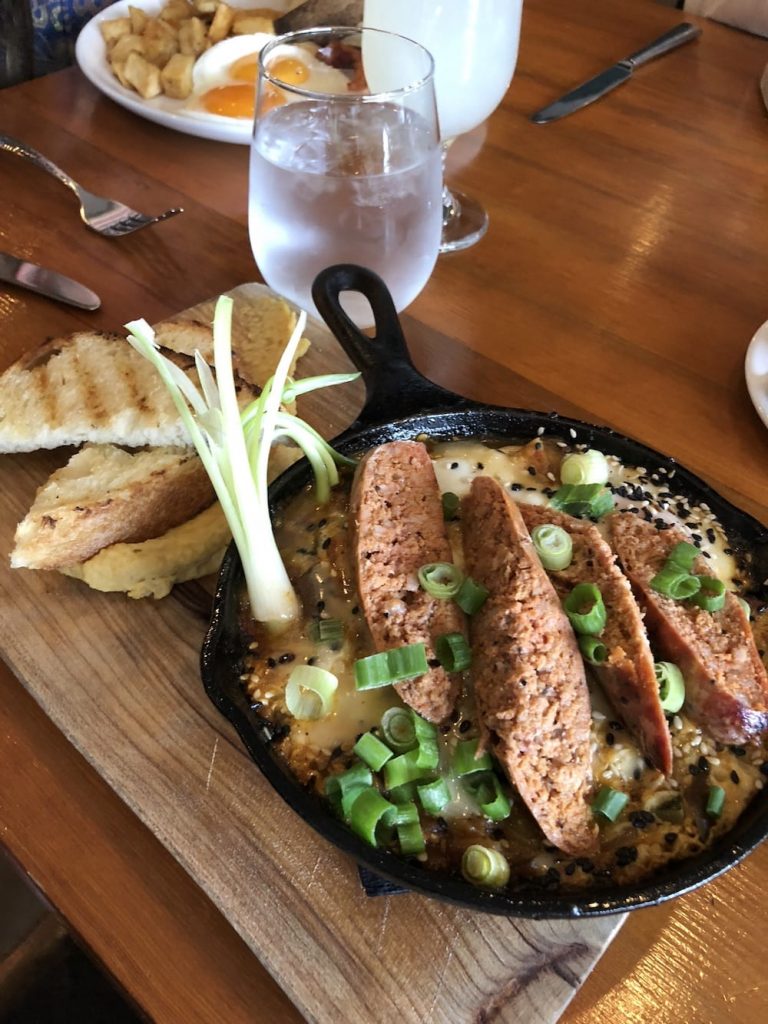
[
  {"x": 756, "y": 372},
  {"x": 91, "y": 55}
]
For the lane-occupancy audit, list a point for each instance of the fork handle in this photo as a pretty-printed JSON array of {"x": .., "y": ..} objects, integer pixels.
[{"x": 19, "y": 148}]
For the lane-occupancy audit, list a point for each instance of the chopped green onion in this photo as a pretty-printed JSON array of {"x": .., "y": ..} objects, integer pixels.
[
  {"x": 368, "y": 811},
  {"x": 667, "y": 807},
  {"x": 402, "y": 794},
  {"x": 609, "y": 803},
  {"x": 326, "y": 631},
  {"x": 309, "y": 692},
  {"x": 711, "y": 595},
  {"x": 484, "y": 866},
  {"x": 450, "y": 505},
  {"x": 715, "y": 801},
  {"x": 585, "y": 608},
  {"x": 471, "y": 596},
  {"x": 401, "y": 770},
  {"x": 590, "y": 467},
  {"x": 671, "y": 686},
  {"x": 434, "y": 796},
  {"x": 371, "y": 750},
  {"x": 553, "y": 546},
  {"x": 427, "y": 752},
  {"x": 407, "y": 814},
  {"x": 441, "y": 580},
  {"x": 675, "y": 583},
  {"x": 465, "y": 761},
  {"x": 336, "y": 786},
  {"x": 411, "y": 840},
  {"x": 746, "y": 607},
  {"x": 348, "y": 798},
  {"x": 493, "y": 801},
  {"x": 398, "y": 729},
  {"x": 391, "y": 666},
  {"x": 593, "y": 650},
  {"x": 453, "y": 652},
  {"x": 683, "y": 555},
  {"x": 590, "y": 501}
]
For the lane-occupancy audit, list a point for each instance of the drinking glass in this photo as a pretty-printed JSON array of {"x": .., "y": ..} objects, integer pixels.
[
  {"x": 474, "y": 44},
  {"x": 345, "y": 163}
]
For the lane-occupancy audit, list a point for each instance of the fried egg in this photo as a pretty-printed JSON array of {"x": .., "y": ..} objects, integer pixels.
[{"x": 224, "y": 76}]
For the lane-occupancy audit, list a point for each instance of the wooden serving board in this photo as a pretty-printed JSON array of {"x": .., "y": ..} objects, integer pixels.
[{"x": 121, "y": 679}]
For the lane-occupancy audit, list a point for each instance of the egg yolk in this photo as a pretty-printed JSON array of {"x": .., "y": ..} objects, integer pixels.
[
  {"x": 290, "y": 71},
  {"x": 230, "y": 100},
  {"x": 245, "y": 69}
]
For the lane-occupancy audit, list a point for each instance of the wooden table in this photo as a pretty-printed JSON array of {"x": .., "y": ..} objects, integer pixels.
[{"x": 621, "y": 280}]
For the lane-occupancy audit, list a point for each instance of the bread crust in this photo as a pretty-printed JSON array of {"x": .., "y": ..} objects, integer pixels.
[{"x": 104, "y": 496}]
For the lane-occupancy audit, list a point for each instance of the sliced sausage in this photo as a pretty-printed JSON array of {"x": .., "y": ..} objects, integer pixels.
[
  {"x": 398, "y": 520},
  {"x": 528, "y": 675},
  {"x": 726, "y": 687},
  {"x": 627, "y": 675}
]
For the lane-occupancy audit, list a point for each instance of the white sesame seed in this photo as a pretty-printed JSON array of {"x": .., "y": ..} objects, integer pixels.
[
  {"x": 696, "y": 741},
  {"x": 759, "y": 783},
  {"x": 540, "y": 431},
  {"x": 714, "y": 760},
  {"x": 572, "y": 432},
  {"x": 677, "y": 723},
  {"x": 598, "y": 716}
]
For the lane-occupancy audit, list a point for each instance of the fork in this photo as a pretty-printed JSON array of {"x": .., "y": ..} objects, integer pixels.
[{"x": 105, "y": 216}]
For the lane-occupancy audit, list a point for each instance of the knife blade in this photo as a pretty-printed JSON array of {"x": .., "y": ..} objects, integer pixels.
[
  {"x": 616, "y": 75},
  {"x": 46, "y": 282}
]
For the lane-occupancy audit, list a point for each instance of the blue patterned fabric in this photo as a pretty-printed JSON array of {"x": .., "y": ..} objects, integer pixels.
[{"x": 55, "y": 26}]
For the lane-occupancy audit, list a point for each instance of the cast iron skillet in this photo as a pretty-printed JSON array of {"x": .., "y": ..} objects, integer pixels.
[{"x": 400, "y": 404}]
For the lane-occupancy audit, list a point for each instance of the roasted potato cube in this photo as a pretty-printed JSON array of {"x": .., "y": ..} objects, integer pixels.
[
  {"x": 256, "y": 23},
  {"x": 206, "y": 6},
  {"x": 160, "y": 42},
  {"x": 142, "y": 76},
  {"x": 113, "y": 29},
  {"x": 125, "y": 45},
  {"x": 139, "y": 20},
  {"x": 176, "y": 76},
  {"x": 221, "y": 24},
  {"x": 118, "y": 68},
  {"x": 175, "y": 11},
  {"x": 192, "y": 36}
]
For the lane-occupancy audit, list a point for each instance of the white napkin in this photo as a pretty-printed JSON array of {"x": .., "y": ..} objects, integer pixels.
[{"x": 751, "y": 15}]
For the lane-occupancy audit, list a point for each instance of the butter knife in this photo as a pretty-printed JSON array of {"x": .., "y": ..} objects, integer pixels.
[
  {"x": 616, "y": 75},
  {"x": 46, "y": 282}
]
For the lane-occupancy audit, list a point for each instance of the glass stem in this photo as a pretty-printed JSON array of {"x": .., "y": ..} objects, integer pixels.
[{"x": 451, "y": 205}]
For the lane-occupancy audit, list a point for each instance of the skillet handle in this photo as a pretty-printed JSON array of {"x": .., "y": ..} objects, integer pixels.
[{"x": 394, "y": 388}]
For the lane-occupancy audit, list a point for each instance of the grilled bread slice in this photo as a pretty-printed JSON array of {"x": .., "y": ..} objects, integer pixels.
[
  {"x": 105, "y": 495},
  {"x": 87, "y": 387}
]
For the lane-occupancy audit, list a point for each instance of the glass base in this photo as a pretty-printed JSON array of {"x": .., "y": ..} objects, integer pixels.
[{"x": 464, "y": 221}]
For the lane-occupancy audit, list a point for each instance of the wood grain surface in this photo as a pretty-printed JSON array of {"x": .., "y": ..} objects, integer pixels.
[{"x": 621, "y": 279}]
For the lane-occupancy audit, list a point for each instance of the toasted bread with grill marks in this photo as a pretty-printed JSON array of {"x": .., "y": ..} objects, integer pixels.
[
  {"x": 105, "y": 495},
  {"x": 89, "y": 387}
]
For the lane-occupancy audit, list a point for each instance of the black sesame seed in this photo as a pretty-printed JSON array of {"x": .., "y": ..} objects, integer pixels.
[
  {"x": 516, "y": 487},
  {"x": 445, "y": 729},
  {"x": 454, "y": 465},
  {"x": 356, "y": 610},
  {"x": 671, "y": 838},
  {"x": 637, "y": 774},
  {"x": 735, "y": 778},
  {"x": 498, "y": 833},
  {"x": 321, "y": 606},
  {"x": 703, "y": 764},
  {"x": 626, "y": 855},
  {"x": 480, "y": 465},
  {"x": 326, "y": 543},
  {"x": 454, "y": 715},
  {"x": 738, "y": 751},
  {"x": 434, "y": 662},
  {"x": 610, "y": 739},
  {"x": 554, "y": 874},
  {"x": 616, "y": 726},
  {"x": 322, "y": 523},
  {"x": 465, "y": 725},
  {"x": 311, "y": 661},
  {"x": 569, "y": 869},
  {"x": 696, "y": 538},
  {"x": 586, "y": 865},
  {"x": 271, "y": 662},
  {"x": 287, "y": 657},
  {"x": 532, "y": 470},
  {"x": 764, "y": 768},
  {"x": 711, "y": 535}
]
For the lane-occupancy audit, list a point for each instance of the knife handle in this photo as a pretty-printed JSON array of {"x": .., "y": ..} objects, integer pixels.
[{"x": 676, "y": 36}]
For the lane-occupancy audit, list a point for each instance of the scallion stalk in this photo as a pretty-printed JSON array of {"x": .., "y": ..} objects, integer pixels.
[
  {"x": 453, "y": 652},
  {"x": 402, "y": 770},
  {"x": 585, "y": 501},
  {"x": 609, "y": 803},
  {"x": 371, "y": 750},
  {"x": 309, "y": 692},
  {"x": 553, "y": 546},
  {"x": 471, "y": 596},
  {"x": 585, "y": 608},
  {"x": 450, "y": 503},
  {"x": 593, "y": 650},
  {"x": 683, "y": 555},
  {"x": 434, "y": 796},
  {"x": 671, "y": 581},
  {"x": 465, "y": 759},
  {"x": 391, "y": 666},
  {"x": 484, "y": 866},
  {"x": 327, "y": 631},
  {"x": 427, "y": 751},
  {"x": 368, "y": 811},
  {"x": 590, "y": 467},
  {"x": 715, "y": 801},
  {"x": 711, "y": 594},
  {"x": 671, "y": 686},
  {"x": 440, "y": 580},
  {"x": 398, "y": 729}
]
